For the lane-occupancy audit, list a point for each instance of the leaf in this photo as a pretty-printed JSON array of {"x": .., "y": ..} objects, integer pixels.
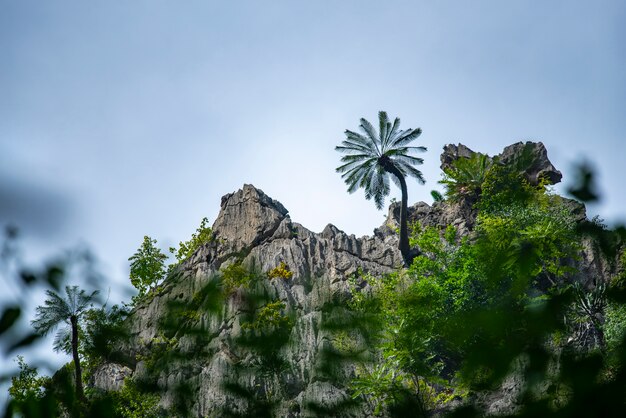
[
  {"x": 28, "y": 340},
  {"x": 9, "y": 316},
  {"x": 585, "y": 188},
  {"x": 54, "y": 276},
  {"x": 27, "y": 277}
]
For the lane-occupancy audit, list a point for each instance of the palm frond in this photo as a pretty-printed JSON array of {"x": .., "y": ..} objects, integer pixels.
[
  {"x": 405, "y": 137},
  {"x": 63, "y": 340},
  {"x": 367, "y": 127},
  {"x": 366, "y": 156},
  {"x": 409, "y": 159},
  {"x": 57, "y": 310},
  {"x": 393, "y": 133},
  {"x": 383, "y": 122},
  {"x": 360, "y": 140},
  {"x": 414, "y": 172}
]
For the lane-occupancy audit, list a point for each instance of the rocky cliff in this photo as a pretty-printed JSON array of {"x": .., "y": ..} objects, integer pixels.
[{"x": 256, "y": 231}]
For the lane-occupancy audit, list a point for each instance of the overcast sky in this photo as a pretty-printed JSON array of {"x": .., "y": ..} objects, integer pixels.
[{"x": 122, "y": 119}]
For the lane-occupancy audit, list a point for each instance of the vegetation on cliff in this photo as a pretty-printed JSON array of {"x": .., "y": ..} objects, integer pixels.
[
  {"x": 502, "y": 319},
  {"x": 371, "y": 158}
]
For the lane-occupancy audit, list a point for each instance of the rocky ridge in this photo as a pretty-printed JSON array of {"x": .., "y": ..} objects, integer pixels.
[{"x": 256, "y": 230}]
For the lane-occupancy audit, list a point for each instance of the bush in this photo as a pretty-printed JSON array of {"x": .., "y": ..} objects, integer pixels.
[
  {"x": 281, "y": 271},
  {"x": 236, "y": 276}
]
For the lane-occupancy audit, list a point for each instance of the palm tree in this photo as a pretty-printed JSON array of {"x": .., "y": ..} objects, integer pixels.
[
  {"x": 464, "y": 178},
  {"x": 70, "y": 310},
  {"x": 371, "y": 157}
]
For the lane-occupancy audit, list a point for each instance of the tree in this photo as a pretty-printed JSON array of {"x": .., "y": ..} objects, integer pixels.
[
  {"x": 28, "y": 384},
  {"x": 203, "y": 235},
  {"x": 69, "y": 310},
  {"x": 148, "y": 266},
  {"x": 371, "y": 157}
]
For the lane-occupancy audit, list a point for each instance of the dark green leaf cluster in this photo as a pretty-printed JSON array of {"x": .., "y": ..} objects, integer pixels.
[{"x": 463, "y": 180}]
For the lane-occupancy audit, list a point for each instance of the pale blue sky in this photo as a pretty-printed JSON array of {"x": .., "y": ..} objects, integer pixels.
[{"x": 120, "y": 119}]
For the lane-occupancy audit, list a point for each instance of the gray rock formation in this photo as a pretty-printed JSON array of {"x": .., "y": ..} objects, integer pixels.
[
  {"x": 533, "y": 157},
  {"x": 256, "y": 231},
  {"x": 452, "y": 152},
  {"x": 110, "y": 376},
  {"x": 530, "y": 157}
]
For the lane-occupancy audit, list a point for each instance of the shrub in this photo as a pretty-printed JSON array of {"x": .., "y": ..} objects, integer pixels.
[
  {"x": 235, "y": 276},
  {"x": 281, "y": 271},
  {"x": 464, "y": 179}
]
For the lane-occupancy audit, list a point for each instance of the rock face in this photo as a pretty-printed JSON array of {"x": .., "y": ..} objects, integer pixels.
[
  {"x": 110, "y": 376},
  {"x": 256, "y": 231},
  {"x": 534, "y": 158},
  {"x": 452, "y": 152},
  {"x": 530, "y": 157}
]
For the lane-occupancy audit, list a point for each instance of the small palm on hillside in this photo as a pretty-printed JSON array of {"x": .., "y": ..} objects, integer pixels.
[
  {"x": 465, "y": 177},
  {"x": 371, "y": 156},
  {"x": 69, "y": 310}
]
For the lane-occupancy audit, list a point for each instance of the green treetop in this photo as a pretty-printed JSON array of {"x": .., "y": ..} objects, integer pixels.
[{"x": 147, "y": 266}]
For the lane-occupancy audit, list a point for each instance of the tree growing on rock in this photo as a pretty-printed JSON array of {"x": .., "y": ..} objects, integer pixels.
[
  {"x": 372, "y": 156},
  {"x": 147, "y": 266}
]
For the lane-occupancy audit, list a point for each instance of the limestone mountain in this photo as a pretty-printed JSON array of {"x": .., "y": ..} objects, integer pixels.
[{"x": 253, "y": 233}]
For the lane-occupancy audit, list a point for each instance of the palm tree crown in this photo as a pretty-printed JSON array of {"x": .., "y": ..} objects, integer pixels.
[
  {"x": 371, "y": 156},
  {"x": 69, "y": 310},
  {"x": 57, "y": 310}
]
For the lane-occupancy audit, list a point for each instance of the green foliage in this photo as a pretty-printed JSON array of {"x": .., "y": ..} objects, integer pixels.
[
  {"x": 379, "y": 385},
  {"x": 157, "y": 351},
  {"x": 203, "y": 235},
  {"x": 268, "y": 317},
  {"x": 537, "y": 236},
  {"x": 371, "y": 156},
  {"x": 132, "y": 402},
  {"x": 235, "y": 276},
  {"x": 103, "y": 331},
  {"x": 465, "y": 177},
  {"x": 27, "y": 385},
  {"x": 281, "y": 271},
  {"x": 462, "y": 298},
  {"x": 504, "y": 186},
  {"x": 147, "y": 268},
  {"x": 614, "y": 326},
  {"x": 437, "y": 196}
]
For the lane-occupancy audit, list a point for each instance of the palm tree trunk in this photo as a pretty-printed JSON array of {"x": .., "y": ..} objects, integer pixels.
[
  {"x": 79, "y": 378},
  {"x": 404, "y": 230}
]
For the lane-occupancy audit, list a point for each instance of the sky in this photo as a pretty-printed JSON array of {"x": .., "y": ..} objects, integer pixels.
[{"x": 123, "y": 119}]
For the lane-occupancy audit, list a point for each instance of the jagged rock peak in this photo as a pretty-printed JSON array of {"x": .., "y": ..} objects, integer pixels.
[
  {"x": 532, "y": 155},
  {"x": 246, "y": 218},
  {"x": 536, "y": 161},
  {"x": 452, "y": 152}
]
